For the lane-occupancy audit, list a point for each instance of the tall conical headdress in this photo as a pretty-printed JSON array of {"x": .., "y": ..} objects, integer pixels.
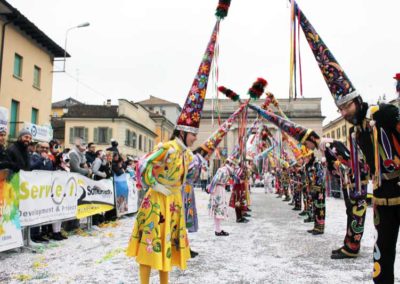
[
  {"x": 339, "y": 84},
  {"x": 298, "y": 132},
  {"x": 189, "y": 119}
]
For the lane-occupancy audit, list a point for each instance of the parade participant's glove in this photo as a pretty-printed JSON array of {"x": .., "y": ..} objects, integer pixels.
[
  {"x": 323, "y": 142},
  {"x": 161, "y": 189}
]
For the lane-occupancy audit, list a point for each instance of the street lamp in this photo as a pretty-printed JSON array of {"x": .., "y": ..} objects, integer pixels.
[{"x": 83, "y": 25}]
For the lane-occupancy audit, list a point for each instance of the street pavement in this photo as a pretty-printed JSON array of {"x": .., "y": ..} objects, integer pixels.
[{"x": 273, "y": 247}]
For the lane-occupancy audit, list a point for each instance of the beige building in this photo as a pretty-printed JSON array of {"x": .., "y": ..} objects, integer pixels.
[
  {"x": 306, "y": 112},
  {"x": 26, "y": 66},
  {"x": 165, "y": 113},
  {"x": 338, "y": 129},
  {"x": 128, "y": 123}
]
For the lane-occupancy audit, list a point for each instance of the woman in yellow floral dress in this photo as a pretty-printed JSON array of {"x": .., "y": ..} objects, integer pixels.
[{"x": 159, "y": 239}]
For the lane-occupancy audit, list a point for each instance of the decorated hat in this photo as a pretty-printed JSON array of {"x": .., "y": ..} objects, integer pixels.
[
  {"x": 213, "y": 141},
  {"x": 189, "y": 119},
  {"x": 296, "y": 131},
  {"x": 339, "y": 84},
  {"x": 397, "y": 77}
]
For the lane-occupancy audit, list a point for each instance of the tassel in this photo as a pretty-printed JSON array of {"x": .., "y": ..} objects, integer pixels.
[
  {"x": 229, "y": 93},
  {"x": 222, "y": 9},
  {"x": 257, "y": 89}
]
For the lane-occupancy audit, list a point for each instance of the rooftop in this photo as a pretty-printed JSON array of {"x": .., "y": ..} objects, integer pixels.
[
  {"x": 66, "y": 103},
  {"x": 155, "y": 101}
]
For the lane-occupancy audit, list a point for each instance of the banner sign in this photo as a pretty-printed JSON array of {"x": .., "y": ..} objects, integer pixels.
[
  {"x": 126, "y": 194},
  {"x": 94, "y": 196},
  {"x": 3, "y": 117},
  {"x": 10, "y": 229},
  {"x": 43, "y": 133},
  {"x": 50, "y": 196}
]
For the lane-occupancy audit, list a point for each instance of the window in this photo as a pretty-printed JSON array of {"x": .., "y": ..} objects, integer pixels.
[
  {"x": 128, "y": 137},
  {"x": 14, "y": 118},
  {"x": 36, "y": 76},
  {"x": 338, "y": 133},
  {"x": 34, "y": 116},
  {"x": 328, "y": 135},
  {"x": 55, "y": 114},
  {"x": 134, "y": 139},
  {"x": 18, "y": 65},
  {"x": 150, "y": 145},
  {"x": 78, "y": 132},
  {"x": 145, "y": 144},
  {"x": 151, "y": 108},
  {"x": 333, "y": 134},
  {"x": 344, "y": 131},
  {"x": 103, "y": 135},
  {"x": 140, "y": 142}
]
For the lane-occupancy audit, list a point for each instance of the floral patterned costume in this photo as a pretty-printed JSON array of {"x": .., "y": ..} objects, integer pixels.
[
  {"x": 188, "y": 195},
  {"x": 218, "y": 205},
  {"x": 159, "y": 237}
]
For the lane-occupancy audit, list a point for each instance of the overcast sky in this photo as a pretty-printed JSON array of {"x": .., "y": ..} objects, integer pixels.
[{"x": 133, "y": 49}]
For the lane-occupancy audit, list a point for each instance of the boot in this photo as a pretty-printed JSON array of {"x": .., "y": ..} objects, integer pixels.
[
  {"x": 341, "y": 255},
  {"x": 308, "y": 220},
  {"x": 221, "y": 234},
  {"x": 303, "y": 213},
  {"x": 193, "y": 254},
  {"x": 317, "y": 232},
  {"x": 335, "y": 251}
]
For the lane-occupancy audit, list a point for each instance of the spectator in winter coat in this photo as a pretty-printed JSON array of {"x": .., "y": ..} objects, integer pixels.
[
  {"x": 40, "y": 160},
  {"x": 90, "y": 154},
  {"x": 77, "y": 158},
  {"x": 98, "y": 165},
  {"x": 117, "y": 165},
  {"x": 18, "y": 151}
]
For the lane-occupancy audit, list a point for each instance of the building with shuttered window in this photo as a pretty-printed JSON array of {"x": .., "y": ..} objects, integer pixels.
[
  {"x": 128, "y": 123},
  {"x": 27, "y": 57}
]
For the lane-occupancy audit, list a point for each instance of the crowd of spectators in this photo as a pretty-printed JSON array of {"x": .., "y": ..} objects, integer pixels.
[{"x": 82, "y": 158}]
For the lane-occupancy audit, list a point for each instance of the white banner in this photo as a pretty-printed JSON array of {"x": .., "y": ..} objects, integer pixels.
[
  {"x": 42, "y": 133},
  {"x": 10, "y": 229},
  {"x": 47, "y": 196},
  {"x": 3, "y": 117},
  {"x": 94, "y": 196},
  {"x": 50, "y": 196}
]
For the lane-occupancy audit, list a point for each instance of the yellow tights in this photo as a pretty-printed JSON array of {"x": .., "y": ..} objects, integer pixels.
[{"x": 145, "y": 275}]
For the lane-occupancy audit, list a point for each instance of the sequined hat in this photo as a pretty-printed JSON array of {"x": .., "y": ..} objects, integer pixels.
[{"x": 339, "y": 84}]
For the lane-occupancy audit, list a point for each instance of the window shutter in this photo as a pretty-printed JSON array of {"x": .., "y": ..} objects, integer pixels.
[
  {"x": 109, "y": 134},
  {"x": 71, "y": 135},
  {"x": 95, "y": 135},
  {"x": 86, "y": 134},
  {"x": 127, "y": 133}
]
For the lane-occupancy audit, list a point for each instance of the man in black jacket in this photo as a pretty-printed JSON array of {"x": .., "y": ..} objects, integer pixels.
[
  {"x": 18, "y": 151},
  {"x": 377, "y": 132}
]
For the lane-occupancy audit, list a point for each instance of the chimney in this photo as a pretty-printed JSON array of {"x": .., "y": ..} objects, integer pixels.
[{"x": 108, "y": 102}]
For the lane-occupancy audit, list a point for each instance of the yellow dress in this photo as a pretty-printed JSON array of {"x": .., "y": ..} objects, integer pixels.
[{"x": 159, "y": 237}]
